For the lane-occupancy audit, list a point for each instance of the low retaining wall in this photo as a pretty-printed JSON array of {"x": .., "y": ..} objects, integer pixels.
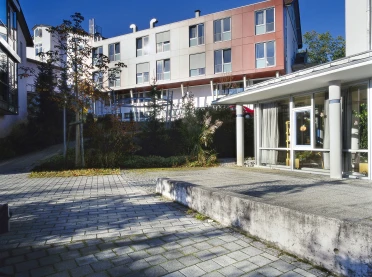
[{"x": 342, "y": 247}]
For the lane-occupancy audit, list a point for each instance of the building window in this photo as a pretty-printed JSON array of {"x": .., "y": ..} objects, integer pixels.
[
  {"x": 196, "y": 35},
  {"x": 38, "y": 49},
  {"x": 197, "y": 64},
  {"x": 114, "y": 78},
  {"x": 265, "y": 54},
  {"x": 163, "y": 70},
  {"x": 142, "y": 46},
  {"x": 98, "y": 79},
  {"x": 222, "y": 61},
  {"x": 97, "y": 54},
  {"x": 114, "y": 52},
  {"x": 38, "y": 33},
  {"x": 143, "y": 73},
  {"x": 265, "y": 21},
  {"x": 163, "y": 42},
  {"x": 222, "y": 29}
]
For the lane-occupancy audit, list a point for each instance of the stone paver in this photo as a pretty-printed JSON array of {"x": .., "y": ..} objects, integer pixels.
[{"x": 111, "y": 226}]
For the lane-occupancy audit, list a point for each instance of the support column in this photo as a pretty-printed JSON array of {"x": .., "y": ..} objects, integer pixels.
[
  {"x": 131, "y": 97},
  {"x": 239, "y": 135},
  {"x": 182, "y": 92},
  {"x": 335, "y": 129},
  {"x": 212, "y": 90},
  {"x": 245, "y": 82}
]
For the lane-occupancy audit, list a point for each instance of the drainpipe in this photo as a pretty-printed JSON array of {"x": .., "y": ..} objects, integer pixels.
[{"x": 369, "y": 25}]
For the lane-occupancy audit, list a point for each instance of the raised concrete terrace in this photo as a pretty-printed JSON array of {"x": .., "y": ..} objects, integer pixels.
[{"x": 347, "y": 199}]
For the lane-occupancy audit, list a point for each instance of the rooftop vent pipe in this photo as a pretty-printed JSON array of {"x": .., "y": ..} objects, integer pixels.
[
  {"x": 152, "y": 23},
  {"x": 197, "y": 13},
  {"x": 133, "y": 27}
]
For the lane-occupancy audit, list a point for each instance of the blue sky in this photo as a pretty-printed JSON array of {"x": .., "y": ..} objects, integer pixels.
[{"x": 115, "y": 16}]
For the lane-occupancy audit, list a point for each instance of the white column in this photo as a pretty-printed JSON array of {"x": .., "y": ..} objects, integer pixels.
[
  {"x": 131, "y": 97},
  {"x": 182, "y": 92},
  {"x": 239, "y": 135},
  {"x": 212, "y": 90},
  {"x": 335, "y": 129},
  {"x": 245, "y": 82}
]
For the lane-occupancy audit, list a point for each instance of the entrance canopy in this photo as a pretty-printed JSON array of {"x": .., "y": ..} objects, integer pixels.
[{"x": 346, "y": 70}]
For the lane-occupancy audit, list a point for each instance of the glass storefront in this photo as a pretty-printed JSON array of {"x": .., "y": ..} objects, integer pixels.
[{"x": 355, "y": 132}]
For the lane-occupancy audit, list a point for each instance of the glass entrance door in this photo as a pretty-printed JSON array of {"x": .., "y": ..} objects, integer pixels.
[{"x": 303, "y": 128}]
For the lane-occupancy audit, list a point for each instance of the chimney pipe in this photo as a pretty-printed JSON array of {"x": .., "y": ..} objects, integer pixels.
[
  {"x": 133, "y": 27},
  {"x": 152, "y": 23},
  {"x": 197, "y": 13}
]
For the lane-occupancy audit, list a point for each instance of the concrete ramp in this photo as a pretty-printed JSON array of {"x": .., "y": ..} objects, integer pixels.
[{"x": 343, "y": 247}]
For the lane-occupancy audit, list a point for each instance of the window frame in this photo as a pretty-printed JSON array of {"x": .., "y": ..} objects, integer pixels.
[
  {"x": 163, "y": 72},
  {"x": 115, "y": 83},
  {"x": 199, "y": 69},
  {"x": 99, "y": 84},
  {"x": 223, "y": 63},
  {"x": 265, "y": 24},
  {"x": 94, "y": 55},
  {"x": 197, "y": 37},
  {"x": 116, "y": 56},
  {"x": 222, "y": 29},
  {"x": 265, "y": 54},
  {"x": 143, "y": 49}
]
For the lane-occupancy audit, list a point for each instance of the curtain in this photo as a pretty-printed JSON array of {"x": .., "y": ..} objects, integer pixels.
[{"x": 269, "y": 133}]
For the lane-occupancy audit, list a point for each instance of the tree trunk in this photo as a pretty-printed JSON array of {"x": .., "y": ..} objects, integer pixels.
[{"x": 77, "y": 140}]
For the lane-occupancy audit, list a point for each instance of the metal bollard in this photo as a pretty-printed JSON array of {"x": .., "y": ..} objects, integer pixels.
[{"x": 5, "y": 216}]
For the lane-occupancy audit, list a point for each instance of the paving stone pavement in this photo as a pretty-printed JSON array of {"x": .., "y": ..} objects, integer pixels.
[{"x": 109, "y": 226}]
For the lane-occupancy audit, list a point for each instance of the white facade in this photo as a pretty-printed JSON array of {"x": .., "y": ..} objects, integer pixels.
[
  {"x": 358, "y": 26},
  {"x": 13, "y": 42}
]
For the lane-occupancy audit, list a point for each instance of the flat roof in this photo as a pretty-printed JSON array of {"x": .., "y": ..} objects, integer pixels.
[{"x": 346, "y": 70}]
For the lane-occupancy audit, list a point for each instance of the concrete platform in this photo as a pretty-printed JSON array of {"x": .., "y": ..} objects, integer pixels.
[{"x": 325, "y": 221}]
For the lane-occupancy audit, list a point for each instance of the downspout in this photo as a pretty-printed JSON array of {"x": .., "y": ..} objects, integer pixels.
[{"x": 369, "y": 25}]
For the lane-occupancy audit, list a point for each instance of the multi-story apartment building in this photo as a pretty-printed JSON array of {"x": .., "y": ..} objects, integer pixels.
[
  {"x": 210, "y": 56},
  {"x": 14, "y": 38}
]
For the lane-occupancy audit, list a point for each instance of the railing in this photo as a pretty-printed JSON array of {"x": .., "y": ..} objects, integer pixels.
[{"x": 163, "y": 76}]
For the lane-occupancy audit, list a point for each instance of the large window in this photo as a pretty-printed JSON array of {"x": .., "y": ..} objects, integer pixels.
[
  {"x": 197, "y": 64},
  {"x": 355, "y": 135},
  {"x": 38, "y": 48},
  {"x": 114, "y": 52},
  {"x": 143, "y": 73},
  {"x": 97, "y": 54},
  {"x": 265, "y": 21},
  {"x": 222, "y": 61},
  {"x": 142, "y": 46},
  {"x": 114, "y": 79},
  {"x": 163, "y": 70},
  {"x": 222, "y": 29},
  {"x": 275, "y": 134},
  {"x": 163, "y": 42},
  {"x": 196, "y": 34},
  {"x": 38, "y": 33},
  {"x": 265, "y": 54},
  {"x": 98, "y": 80}
]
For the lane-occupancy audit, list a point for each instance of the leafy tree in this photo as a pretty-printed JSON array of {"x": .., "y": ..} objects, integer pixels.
[
  {"x": 323, "y": 47},
  {"x": 77, "y": 86}
]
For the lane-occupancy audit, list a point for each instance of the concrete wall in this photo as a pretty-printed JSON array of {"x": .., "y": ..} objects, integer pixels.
[
  {"x": 358, "y": 26},
  {"x": 342, "y": 247}
]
